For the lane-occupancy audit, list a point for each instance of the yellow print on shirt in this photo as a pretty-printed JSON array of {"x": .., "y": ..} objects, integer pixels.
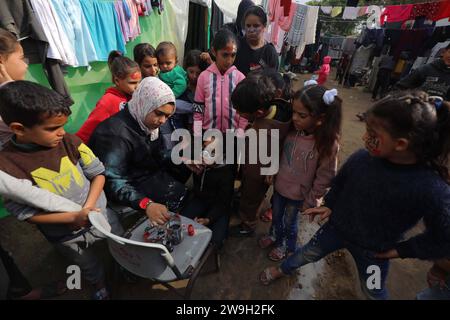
[
  {"x": 86, "y": 154},
  {"x": 58, "y": 182}
]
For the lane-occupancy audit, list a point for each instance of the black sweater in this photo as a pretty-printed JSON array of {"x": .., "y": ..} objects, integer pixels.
[{"x": 374, "y": 202}]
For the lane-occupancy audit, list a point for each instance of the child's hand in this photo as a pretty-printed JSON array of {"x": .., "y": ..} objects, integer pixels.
[
  {"x": 81, "y": 218},
  {"x": 269, "y": 180},
  {"x": 203, "y": 221},
  {"x": 324, "y": 213},
  {"x": 4, "y": 76},
  {"x": 206, "y": 57},
  {"x": 157, "y": 213}
]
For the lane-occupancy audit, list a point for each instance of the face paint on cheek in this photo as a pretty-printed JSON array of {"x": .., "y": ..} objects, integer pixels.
[
  {"x": 135, "y": 75},
  {"x": 373, "y": 144}
]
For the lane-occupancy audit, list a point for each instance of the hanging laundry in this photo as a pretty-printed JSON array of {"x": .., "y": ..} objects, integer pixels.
[
  {"x": 336, "y": 11},
  {"x": 119, "y": 7},
  {"x": 326, "y": 9},
  {"x": 75, "y": 26},
  {"x": 362, "y": 11},
  {"x": 19, "y": 18},
  {"x": 396, "y": 13},
  {"x": 350, "y": 13},
  {"x": 444, "y": 10},
  {"x": 126, "y": 9},
  {"x": 104, "y": 27},
  {"x": 60, "y": 47},
  {"x": 295, "y": 35},
  {"x": 309, "y": 32},
  {"x": 286, "y": 22},
  {"x": 429, "y": 10},
  {"x": 286, "y": 4},
  {"x": 135, "y": 28},
  {"x": 443, "y": 22}
]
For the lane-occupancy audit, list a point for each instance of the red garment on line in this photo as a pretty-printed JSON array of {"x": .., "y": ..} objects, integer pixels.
[{"x": 396, "y": 13}]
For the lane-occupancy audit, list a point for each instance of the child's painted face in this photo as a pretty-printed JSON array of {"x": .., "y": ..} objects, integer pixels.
[
  {"x": 225, "y": 57},
  {"x": 254, "y": 29},
  {"x": 377, "y": 140},
  {"x": 15, "y": 64},
  {"x": 130, "y": 83},
  {"x": 158, "y": 117},
  {"x": 302, "y": 118},
  {"x": 193, "y": 72},
  {"x": 149, "y": 67},
  {"x": 48, "y": 134},
  {"x": 167, "y": 62}
]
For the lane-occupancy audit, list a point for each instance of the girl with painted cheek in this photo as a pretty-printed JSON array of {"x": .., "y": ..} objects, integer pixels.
[{"x": 126, "y": 76}]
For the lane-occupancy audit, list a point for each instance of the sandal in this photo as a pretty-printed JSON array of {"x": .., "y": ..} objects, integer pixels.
[
  {"x": 277, "y": 254},
  {"x": 101, "y": 294},
  {"x": 266, "y": 276},
  {"x": 267, "y": 215},
  {"x": 266, "y": 241}
]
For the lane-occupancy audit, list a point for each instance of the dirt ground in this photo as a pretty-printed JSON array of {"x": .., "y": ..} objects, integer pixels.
[{"x": 241, "y": 259}]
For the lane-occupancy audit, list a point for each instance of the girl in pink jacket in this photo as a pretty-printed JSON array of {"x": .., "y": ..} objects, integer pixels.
[
  {"x": 324, "y": 70},
  {"x": 212, "y": 103}
]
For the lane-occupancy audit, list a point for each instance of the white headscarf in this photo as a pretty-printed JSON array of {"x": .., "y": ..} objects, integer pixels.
[{"x": 151, "y": 94}]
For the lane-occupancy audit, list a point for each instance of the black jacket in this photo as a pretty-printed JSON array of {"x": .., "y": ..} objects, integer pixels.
[
  {"x": 135, "y": 167},
  {"x": 433, "y": 78}
]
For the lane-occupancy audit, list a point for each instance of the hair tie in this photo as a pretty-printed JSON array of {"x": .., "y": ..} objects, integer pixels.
[
  {"x": 310, "y": 83},
  {"x": 328, "y": 96}
]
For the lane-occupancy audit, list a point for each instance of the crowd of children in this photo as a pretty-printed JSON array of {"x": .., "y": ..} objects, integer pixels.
[{"x": 121, "y": 153}]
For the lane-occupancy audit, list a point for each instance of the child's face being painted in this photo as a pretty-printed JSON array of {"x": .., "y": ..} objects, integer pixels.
[
  {"x": 130, "y": 83},
  {"x": 303, "y": 119},
  {"x": 15, "y": 64},
  {"x": 225, "y": 57},
  {"x": 158, "y": 117},
  {"x": 167, "y": 62},
  {"x": 48, "y": 134},
  {"x": 377, "y": 139},
  {"x": 193, "y": 72},
  {"x": 149, "y": 67}
]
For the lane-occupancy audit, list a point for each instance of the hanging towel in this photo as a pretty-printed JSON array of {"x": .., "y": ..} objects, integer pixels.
[
  {"x": 296, "y": 32},
  {"x": 75, "y": 26},
  {"x": 310, "y": 29},
  {"x": 135, "y": 28},
  {"x": 350, "y": 13},
  {"x": 123, "y": 21},
  {"x": 398, "y": 13},
  {"x": 336, "y": 11},
  {"x": 60, "y": 47},
  {"x": 326, "y": 9},
  {"x": 444, "y": 11},
  {"x": 286, "y": 22},
  {"x": 104, "y": 27}
]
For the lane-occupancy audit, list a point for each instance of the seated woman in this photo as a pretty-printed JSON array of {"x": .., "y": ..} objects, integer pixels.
[{"x": 138, "y": 175}]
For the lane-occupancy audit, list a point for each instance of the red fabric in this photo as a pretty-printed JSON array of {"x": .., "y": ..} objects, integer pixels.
[
  {"x": 324, "y": 70},
  {"x": 286, "y": 4},
  {"x": 444, "y": 10},
  {"x": 396, "y": 13},
  {"x": 107, "y": 106},
  {"x": 428, "y": 10}
]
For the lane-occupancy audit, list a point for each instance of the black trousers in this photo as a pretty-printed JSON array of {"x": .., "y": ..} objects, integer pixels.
[
  {"x": 18, "y": 284},
  {"x": 382, "y": 83}
]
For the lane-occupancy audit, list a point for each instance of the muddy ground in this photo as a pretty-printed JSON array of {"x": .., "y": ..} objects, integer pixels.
[{"x": 241, "y": 259}]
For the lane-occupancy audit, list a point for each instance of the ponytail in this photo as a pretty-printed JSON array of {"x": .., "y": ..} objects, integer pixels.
[{"x": 121, "y": 66}]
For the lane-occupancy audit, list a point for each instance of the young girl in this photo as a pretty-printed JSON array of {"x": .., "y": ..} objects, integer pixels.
[
  {"x": 264, "y": 99},
  {"x": 212, "y": 105},
  {"x": 324, "y": 70},
  {"x": 126, "y": 76},
  {"x": 382, "y": 192},
  {"x": 144, "y": 55},
  {"x": 308, "y": 163}
]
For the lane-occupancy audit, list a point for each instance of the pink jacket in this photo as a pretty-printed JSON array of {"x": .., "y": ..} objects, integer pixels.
[
  {"x": 324, "y": 70},
  {"x": 212, "y": 103},
  {"x": 302, "y": 175}
]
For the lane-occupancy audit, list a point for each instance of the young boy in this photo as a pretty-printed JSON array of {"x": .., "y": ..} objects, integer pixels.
[
  {"x": 171, "y": 73},
  {"x": 41, "y": 152}
]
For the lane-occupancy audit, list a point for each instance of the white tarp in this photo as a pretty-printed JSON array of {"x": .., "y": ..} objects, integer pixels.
[{"x": 229, "y": 8}]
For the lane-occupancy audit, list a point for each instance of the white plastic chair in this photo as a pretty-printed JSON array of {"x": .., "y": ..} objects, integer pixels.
[{"x": 153, "y": 261}]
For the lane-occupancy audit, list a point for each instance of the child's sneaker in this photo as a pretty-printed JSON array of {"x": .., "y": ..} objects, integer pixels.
[
  {"x": 101, "y": 294},
  {"x": 277, "y": 254}
]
